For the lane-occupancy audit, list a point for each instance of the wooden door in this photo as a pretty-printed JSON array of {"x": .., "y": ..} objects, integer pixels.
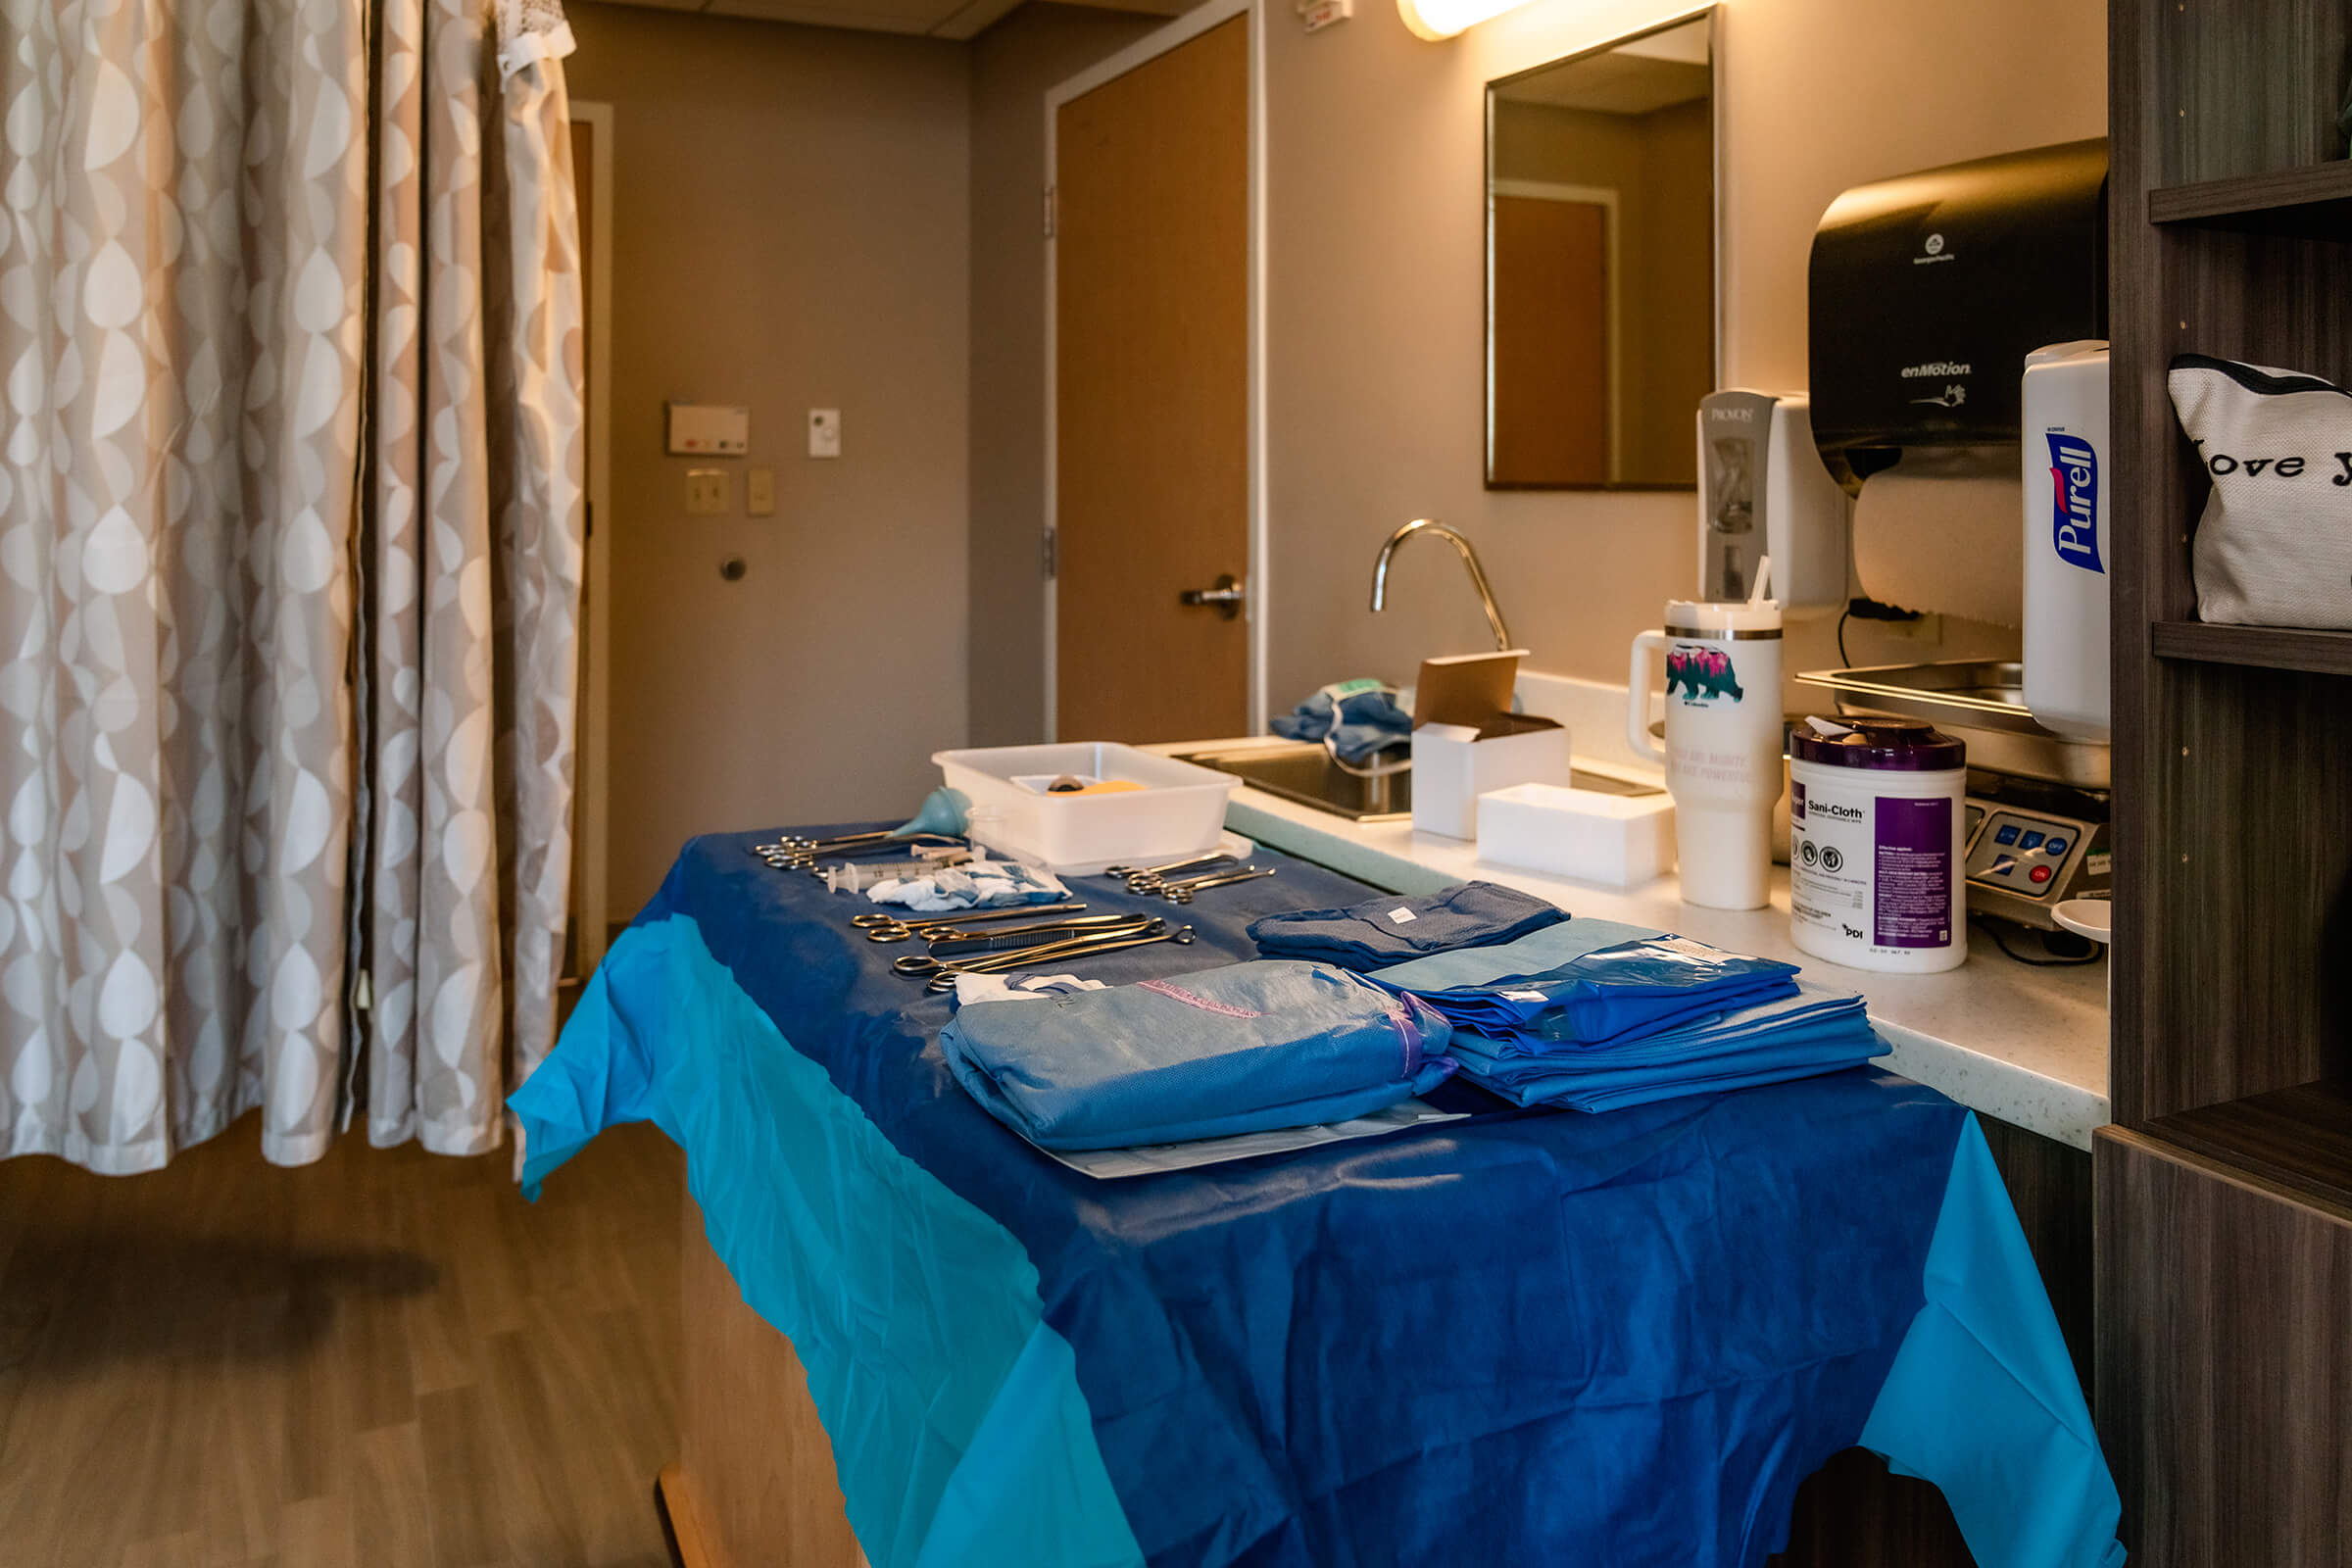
[
  {"x": 1152, "y": 395},
  {"x": 585, "y": 936},
  {"x": 1551, "y": 342}
]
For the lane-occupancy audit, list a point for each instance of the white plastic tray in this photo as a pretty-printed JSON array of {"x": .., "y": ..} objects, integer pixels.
[{"x": 1179, "y": 810}]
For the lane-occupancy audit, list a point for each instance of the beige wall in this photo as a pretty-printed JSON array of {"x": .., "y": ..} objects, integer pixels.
[
  {"x": 1013, "y": 63},
  {"x": 1375, "y": 385},
  {"x": 790, "y": 230}
]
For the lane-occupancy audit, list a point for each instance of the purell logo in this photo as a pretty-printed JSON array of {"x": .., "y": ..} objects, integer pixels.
[
  {"x": 1916, "y": 372},
  {"x": 2075, "y": 501}
]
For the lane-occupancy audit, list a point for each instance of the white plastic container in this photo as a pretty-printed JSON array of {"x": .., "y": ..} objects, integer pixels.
[
  {"x": 1617, "y": 841},
  {"x": 1454, "y": 766},
  {"x": 1179, "y": 810},
  {"x": 2068, "y": 541},
  {"x": 1877, "y": 869}
]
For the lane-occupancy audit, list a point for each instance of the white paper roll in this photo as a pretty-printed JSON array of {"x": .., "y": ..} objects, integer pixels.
[{"x": 1939, "y": 531}]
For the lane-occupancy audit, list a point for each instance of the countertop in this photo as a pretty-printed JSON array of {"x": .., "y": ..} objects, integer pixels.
[{"x": 2025, "y": 1044}]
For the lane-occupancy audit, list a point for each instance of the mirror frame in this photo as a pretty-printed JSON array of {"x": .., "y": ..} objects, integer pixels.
[{"x": 1712, "y": 14}]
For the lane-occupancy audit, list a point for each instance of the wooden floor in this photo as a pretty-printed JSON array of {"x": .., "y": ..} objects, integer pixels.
[{"x": 386, "y": 1357}]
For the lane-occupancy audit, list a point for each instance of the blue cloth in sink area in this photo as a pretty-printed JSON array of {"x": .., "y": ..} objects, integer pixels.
[
  {"x": 1237, "y": 1050},
  {"x": 1523, "y": 1337}
]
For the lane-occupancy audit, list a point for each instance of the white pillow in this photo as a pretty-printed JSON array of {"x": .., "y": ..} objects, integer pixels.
[{"x": 2274, "y": 546}]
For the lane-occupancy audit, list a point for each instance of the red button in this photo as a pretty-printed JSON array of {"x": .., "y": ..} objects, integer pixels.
[{"x": 2042, "y": 873}]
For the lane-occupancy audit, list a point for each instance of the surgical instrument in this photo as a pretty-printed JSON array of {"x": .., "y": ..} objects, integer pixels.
[
  {"x": 987, "y": 938},
  {"x": 1127, "y": 926},
  {"x": 856, "y": 876},
  {"x": 880, "y": 927},
  {"x": 943, "y": 979},
  {"x": 1132, "y": 872},
  {"x": 1182, "y": 892},
  {"x": 786, "y": 857}
]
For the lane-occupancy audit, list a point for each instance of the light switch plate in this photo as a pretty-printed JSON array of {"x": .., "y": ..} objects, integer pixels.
[
  {"x": 707, "y": 430},
  {"x": 706, "y": 493},
  {"x": 824, "y": 432},
  {"x": 759, "y": 492}
]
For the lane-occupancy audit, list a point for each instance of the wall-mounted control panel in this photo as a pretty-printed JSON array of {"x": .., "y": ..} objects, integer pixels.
[{"x": 707, "y": 430}]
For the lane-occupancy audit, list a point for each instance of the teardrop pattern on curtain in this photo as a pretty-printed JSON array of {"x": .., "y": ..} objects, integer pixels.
[
  {"x": 180, "y": 284},
  {"x": 476, "y": 561},
  {"x": 185, "y": 245}
]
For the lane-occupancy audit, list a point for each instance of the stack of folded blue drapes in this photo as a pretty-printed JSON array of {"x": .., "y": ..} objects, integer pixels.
[{"x": 1596, "y": 1015}]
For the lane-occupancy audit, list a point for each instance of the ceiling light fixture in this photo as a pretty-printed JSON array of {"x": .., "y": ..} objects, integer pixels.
[{"x": 1437, "y": 19}]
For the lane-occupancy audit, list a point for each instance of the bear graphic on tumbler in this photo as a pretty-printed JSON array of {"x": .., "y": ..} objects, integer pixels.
[{"x": 1702, "y": 674}]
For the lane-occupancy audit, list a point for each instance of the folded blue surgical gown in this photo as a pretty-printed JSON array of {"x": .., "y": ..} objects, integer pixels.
[
  {"x": 1802, "y": 1030},
  {"x": 1626, "y": 990},
  {"x": 1393, "y": 929},
  {"x": 1242, "y": 1048}
]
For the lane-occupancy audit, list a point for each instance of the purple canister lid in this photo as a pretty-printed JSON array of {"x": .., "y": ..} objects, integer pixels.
[{"x": 1899, "y": 744}]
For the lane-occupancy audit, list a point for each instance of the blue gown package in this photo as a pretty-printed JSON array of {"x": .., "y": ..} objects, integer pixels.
[
  {"x": 1817, "y": 1033},
  {"x": 1626, "y": 990},
  {"x": 1807, "y": 1029},
  {"x": 1393, "y": 929},
  {"x": 1238, "y": 1050}
]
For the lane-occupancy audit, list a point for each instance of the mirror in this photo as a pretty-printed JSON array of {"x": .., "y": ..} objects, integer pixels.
[{"x": 1600, "y": 264}]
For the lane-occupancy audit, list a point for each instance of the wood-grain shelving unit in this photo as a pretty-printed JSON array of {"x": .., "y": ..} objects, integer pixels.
[
  {"x": 2318, "y": 653},
  {"x": 2224, "y": 1192}
]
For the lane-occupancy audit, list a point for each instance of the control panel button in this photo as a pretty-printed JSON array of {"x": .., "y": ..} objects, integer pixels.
[
  {"x": 2056, "y": 846},
  {"x": 2003, "y": 865},
  {"x": 2042, "y": 873},
  {"x": 2032, "y": 841},
  {"x": 2006, "y": 834}
]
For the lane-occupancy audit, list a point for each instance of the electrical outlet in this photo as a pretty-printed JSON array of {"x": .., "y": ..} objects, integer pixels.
[
  {"x": 707, "y": 493},
  {"x": 759, "y": 492},
  {"x": 824, "y": 432}
]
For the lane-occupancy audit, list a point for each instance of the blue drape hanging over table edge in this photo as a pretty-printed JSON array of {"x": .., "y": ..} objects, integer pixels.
[{"x": 1009, "y": 1369}]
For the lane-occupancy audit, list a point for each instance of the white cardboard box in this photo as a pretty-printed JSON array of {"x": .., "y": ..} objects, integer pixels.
[
  {"x": 1453, "y": 767},
  {"x": 1618, "y": 841}
]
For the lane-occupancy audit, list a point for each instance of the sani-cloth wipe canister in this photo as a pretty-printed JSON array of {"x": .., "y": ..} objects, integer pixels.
[{"x": 1877, "y": 874}]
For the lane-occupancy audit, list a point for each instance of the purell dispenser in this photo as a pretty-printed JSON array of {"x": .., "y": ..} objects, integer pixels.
[
  {"x": 2068, "y": 539},
  {"x": 1762, "y": 491}
]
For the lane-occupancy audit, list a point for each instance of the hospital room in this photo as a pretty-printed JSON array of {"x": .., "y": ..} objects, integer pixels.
[{"x": 1175, "y": 783}]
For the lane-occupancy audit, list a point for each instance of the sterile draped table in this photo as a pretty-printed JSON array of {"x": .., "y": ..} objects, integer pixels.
[{"x": 1529, "y": 1336}]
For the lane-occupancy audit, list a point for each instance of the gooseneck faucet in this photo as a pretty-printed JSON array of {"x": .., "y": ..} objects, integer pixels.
[{"x": 1478, "y": 574}]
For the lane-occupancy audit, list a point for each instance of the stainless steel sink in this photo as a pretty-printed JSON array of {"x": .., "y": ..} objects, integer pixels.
[{"x": 1305, "y": 772}]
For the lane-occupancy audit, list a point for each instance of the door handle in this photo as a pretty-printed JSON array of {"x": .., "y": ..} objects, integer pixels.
[{"x": 1226, "y": 595}]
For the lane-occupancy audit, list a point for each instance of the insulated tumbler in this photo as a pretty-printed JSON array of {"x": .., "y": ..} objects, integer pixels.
[{"x": 1723, "y": 742}]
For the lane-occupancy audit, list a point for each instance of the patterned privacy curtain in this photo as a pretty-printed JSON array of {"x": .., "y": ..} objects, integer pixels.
[{"x": 234, "y": 645}]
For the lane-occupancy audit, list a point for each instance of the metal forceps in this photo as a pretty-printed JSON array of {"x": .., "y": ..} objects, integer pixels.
[
  {"x": 942, "y": 972},
  {"x": 1145, "y": 873},
  {"x": 1119, "y": 926},
  {"x": 879, "y": 927},
  {"x": 989, "y": 938},
  {"x": 801, "y": 855},
  {"x": 1182, "y": 892}
]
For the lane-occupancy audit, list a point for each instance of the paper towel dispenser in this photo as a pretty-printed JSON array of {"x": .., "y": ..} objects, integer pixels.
[{"x": 1929, "y": 290}]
